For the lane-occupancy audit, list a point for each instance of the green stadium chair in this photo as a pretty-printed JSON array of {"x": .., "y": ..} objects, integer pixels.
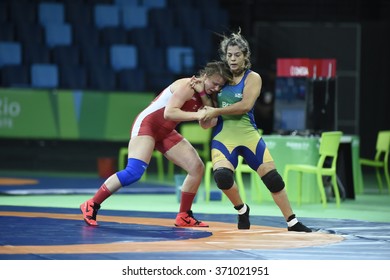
[
  {"x": 329, "y": 145},
  {"x": 381, "y": 159}
]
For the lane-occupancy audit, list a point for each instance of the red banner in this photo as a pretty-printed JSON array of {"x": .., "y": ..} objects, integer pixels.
[{"x": 306, "y": 67}]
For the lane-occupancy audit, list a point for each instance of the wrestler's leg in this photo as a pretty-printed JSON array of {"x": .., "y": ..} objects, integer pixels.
[
  {"x": 274, "y": 182},
  {"x": 140, "y": 150},
  {"x": 184, "y": 155}
]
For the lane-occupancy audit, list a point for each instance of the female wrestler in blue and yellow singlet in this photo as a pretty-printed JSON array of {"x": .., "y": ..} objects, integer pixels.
[{"x": 236, "y": 134}]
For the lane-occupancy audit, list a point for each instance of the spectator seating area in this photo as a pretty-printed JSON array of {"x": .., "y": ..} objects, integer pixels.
[{"x": 108, "y": 45}]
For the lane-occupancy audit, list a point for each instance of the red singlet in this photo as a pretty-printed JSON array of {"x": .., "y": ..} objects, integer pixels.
[{"x": 151, "y": 121}]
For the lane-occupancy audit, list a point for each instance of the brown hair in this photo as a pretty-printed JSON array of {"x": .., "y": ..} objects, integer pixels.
[
  {"x": 235, "y": 39},
  {"x": 217, "y": 67}
]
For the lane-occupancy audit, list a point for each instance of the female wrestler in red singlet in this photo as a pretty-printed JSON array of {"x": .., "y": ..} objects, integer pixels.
[{"x": 154, "y": 128}]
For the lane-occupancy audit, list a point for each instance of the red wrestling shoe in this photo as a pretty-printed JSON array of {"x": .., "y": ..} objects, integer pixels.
[
  {"x": 186, "y": 219},
  {"x": 89, "y": 210}
]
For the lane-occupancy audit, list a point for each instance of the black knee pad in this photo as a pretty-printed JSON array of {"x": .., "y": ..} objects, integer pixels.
[
  {"x": 273, "y": 181},
  {"x": 224, "y": 178}
]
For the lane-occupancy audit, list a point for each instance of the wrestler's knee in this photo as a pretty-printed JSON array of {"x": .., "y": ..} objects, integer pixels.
[
  {"x": 273, "y": 181},
  {"x": 223, "y": 178},
  {"x": 133, "y": 172}
]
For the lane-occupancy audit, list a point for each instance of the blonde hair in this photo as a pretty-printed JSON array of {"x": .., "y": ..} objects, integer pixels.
[{"x": 235, "y": 39}]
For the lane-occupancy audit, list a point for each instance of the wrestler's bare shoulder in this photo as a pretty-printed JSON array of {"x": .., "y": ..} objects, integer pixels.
[{"x": 179, "y": 83}]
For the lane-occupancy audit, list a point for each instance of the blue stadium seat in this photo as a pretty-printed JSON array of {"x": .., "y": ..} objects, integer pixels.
[
  {"x": 58, "y": 34},
  {"x": 49, "y": 13},
  {"x": 15, "y": 76},
  {"x": 133, "y": 17},
  {"x": 106, "y": 15},
  {"x": 10, "y": 53},
  {"x": 180, "y": 59},
  {"x": 44, "y": 76},
  {"x": 123, "y": 57}
]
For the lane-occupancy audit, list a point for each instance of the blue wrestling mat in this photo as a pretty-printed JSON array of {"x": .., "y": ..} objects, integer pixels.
[
  {"x": 66, "y": 185},
  {"x": 36, "y": 233}
]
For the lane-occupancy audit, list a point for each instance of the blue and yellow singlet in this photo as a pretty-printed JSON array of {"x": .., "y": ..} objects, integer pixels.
[{"x": 237, "y": 134}]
